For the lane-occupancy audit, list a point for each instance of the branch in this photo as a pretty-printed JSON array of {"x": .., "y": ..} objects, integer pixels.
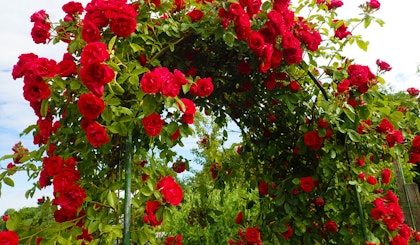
[{"x": 313, "y": 78}]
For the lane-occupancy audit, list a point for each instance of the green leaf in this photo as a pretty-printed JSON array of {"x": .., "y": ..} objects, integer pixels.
[
  {"x": 353, "y": 135},
  {"x": 13, "y": 222},
  {"x": 362, "y": 44},
  {"x": 112, "y": 199},
  {"x": 148, "y": 104},
  {"x": 111, "y": 43},
  {"x": 44, "y": 108},
  {"x": 8, "y": 181},
  {"x": 135, "y": 47},
  {"x": 229, "y": 38}
]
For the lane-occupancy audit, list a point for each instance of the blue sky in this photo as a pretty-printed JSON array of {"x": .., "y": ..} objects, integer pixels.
[{"x": 396, "y": 43}]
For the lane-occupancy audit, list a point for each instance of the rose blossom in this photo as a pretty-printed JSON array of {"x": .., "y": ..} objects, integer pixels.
[
  {"x": 252, "y": 235},
  {"x": 9, "y": 238},
  {"x": 307, "y": 184},
  {"x": 238, "y": 219},
  {"x": 96, "y": 134},
  {"x": 24, "y": 63},
  {"x": 263, "y": 188},
  {"x": 123, "y": 25},
  {"x": 94, "y": 52},
  {"x": 374, "y": 4},
  {"x": 195, "y": 15},
  {"x": 171, "y": 191},
  {"x": 413, "y": 91},
  {"x": 331, "y": 226},
  {"x": 203, "y": 87},
  {"x": 90, "y": 32},
  {"x": 341, "y": 31},
  {"x": 40, "y": 32},
  {"x": 153, "y": 124},
  {"x": 72, "y": 8},
  {"x": 90, "y": 106},
  {"x": 179, "y": 166},
  {"x": 383, "y": 66},
  {"x": 372, "y": 180}
]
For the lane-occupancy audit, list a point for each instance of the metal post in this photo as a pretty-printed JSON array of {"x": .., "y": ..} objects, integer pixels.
[{"x": 127, "y": 194}]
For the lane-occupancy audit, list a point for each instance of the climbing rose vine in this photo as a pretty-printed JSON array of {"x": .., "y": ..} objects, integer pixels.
[{"x": 318, "y": 135}]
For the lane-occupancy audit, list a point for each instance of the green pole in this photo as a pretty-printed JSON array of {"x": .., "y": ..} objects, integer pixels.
[{"x": 127, "y": 194}]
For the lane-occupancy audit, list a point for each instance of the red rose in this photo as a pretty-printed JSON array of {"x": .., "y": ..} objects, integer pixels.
[
  {"x": 171, "y": 191},
  {"x": 95, "y": 75},
  {"x": 359, "y": 75},
  {"x": 123, "y": 25},
  {"x": 40, "y": 16},
  {"x": 151, "y": 209},
  {"x": 9, "y": 238},
  {"x": 179, "y": 4},
  {"x": 90, "y": 32},
  {"x": 5, "y": 217},
  {"x": 289, "y": 233},
  {"x": 242, "y": 27},
  {"x": 238, "y": 219},
  {"x": 386, "y": 176},
  {"x": 383, "y": 66},
  {"x": 256, "y": 42},
  {"x": 385, "y": 126},
  {"x": 307, "y": 184},
  {"x": 187, "y": 118},
  {"x": 270, "y": 82},
  {"x": 90, "y": 106},
  {"x": 150, "y": 83},
  {"x": 413, "y": 92},
  {"x": 96, "y": 134},
  {"x": 40, "y": 32},
  {"x": 179, "y": 167},
  {"x": 252, "y": 235},
  {"x": 36, "y": 90},
  {"x": 236, "y": 9},
  {"x": 343, "y": 86},
  {"x": 372, "y": 180},
  {"x": 187, "y": 106},
  {"x": 70, "y": 197},
  {"x": 44, "y": 67},
  {"x": 331, "y": 226},
  {"x": 195, "y": 15},
  {"x": 292, "y": 51},
  {"x": 374, "y": 4},
  {"x": 153, "y": 124},
  {"x": 276, "y": 58},
  {"x": 203, "y": 87},
  {"x": 65, "y": 178},
  {"x": 334, "y": 4},
  {"x": 263, "y": 188},
  {"x": 174, "y": 240},
  {"x": 72, "y": 8},
  {"x": 67, "y": 67},
  {"x": 176, "y": 134},
  {"x": 24, "y": 63},
  {"x": 394, "y": 137},
  {"x": 312, "y": 139},
  {"x": 341, "y": 31},
  {"x": 180, "y": 77},
  {"x": 319, "y": 202},
  {"x": 170, "y": 86},
  {"x": 94, "y": 52},
  {"x": 294, "y": 86},
  {"x": 65, "y": 214}
]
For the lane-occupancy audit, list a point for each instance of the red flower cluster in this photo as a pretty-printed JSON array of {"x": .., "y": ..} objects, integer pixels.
[
  {"x": 251, "y": 236},
  {"x": 171, "y": 191},
  {"x": 120, "y": 16},
  {"x": 413, "y": 92},
  {"x": 174, "y": 240},
  {"x": 9, "y": 238},
  {"x": 415, "y": 151},
  {"x": 19, "y": 152},
  {"x": 383, "y": 66},
  {"x": 151, "y": 209},
  {"x": 281, "y": 22},
  {"x": 162, "y": 80},
  {"x": 153, "y": 124},
  {"x": 67, "y": 193},
  {"x": 41, "y": 29},
  {"x": 392, "y": 136},
  {"x": 188, "y": 108},
  {"x": 331, "y": 226},
  {"x": 388, "y": 210},
  {"x": 179, "y": 166},
  {"x": 341, "y": 31}
]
